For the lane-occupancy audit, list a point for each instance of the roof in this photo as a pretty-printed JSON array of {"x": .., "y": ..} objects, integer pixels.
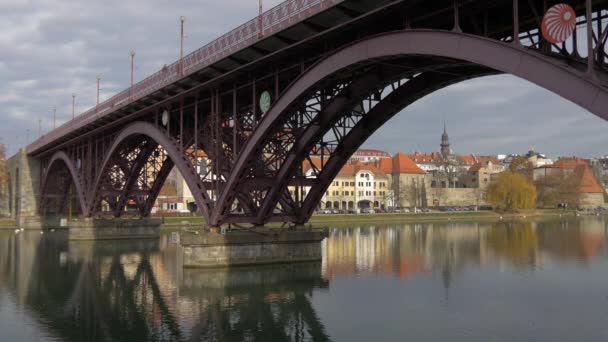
[
  {"x": 371, "y": 153},
  {"x": 418, "y": 157},
  {"x": 168, "y": 190},
  {"x": 569, "y": 162},
  {"x": 472, "y": 159},
  {"x": 587, "y": 183},
  {"x": 403, "y": 164}
]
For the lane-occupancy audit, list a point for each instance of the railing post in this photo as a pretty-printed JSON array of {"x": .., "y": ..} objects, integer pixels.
[
  {"x": 456, "y": 16},
  {"x": 590, "y": 50},
  {"x": 516, "y": 41}
]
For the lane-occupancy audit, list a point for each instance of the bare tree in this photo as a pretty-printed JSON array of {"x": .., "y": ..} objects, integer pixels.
[
  {"x": 558, "y": 187},
  {"x": 3, "y": 180}
]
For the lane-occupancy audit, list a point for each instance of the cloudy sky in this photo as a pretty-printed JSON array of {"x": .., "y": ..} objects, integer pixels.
[{"x": 53, "y": 48}]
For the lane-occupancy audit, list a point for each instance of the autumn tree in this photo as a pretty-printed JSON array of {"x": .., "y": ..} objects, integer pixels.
[{"x": 511, "y": 192}]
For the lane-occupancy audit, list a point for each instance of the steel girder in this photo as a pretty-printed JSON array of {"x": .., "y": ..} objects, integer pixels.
[
  {"x": 61, "y": 161},
  {"x": 261, "y": 149},
  {"x": 159, "y": 141},
  {"x": 255, "y": 158}
]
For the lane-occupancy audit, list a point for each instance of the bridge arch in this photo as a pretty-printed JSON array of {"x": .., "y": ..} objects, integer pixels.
[
  {"x": 175, "y": 157},
  {"x": 490, "y": 56},
  {"x": 61, "y": 159}
]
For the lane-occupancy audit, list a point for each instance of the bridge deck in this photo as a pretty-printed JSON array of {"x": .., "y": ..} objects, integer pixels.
[{"x": 281, "y": 26}]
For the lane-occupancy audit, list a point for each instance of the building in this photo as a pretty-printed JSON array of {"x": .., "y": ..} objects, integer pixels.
[
  {"x": 576, "y": 170},
  {"x": 481, "y": 174}
]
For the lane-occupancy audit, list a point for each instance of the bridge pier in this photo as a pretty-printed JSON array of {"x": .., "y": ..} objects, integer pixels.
[
  {"x": 23, "y": 193},
  {"x": 251, "y": 247},
  {"x": 113, "y": 229}
]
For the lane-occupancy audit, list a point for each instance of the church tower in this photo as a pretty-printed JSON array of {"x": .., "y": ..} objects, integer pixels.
[{"x": 445, "y": 143}]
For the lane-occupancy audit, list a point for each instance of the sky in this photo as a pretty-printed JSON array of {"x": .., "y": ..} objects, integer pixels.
[{"x": 51, "y": 49}]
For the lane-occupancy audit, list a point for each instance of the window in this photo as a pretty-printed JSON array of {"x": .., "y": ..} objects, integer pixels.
[
  {"x": 352, "y": 183},
  {"x": 374, "y": 193}
]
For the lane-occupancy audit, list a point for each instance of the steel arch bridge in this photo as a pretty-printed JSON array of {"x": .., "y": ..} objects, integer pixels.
[{"x": 308, "y": 77}]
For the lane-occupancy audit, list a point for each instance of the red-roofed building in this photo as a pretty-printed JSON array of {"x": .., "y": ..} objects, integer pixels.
[
  {"x": 591, "y": 193},
  {"x": 377, "y": 183}
]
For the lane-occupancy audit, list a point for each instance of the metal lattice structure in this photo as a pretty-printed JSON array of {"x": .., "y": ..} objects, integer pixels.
[{"x": 333, "y": 72}]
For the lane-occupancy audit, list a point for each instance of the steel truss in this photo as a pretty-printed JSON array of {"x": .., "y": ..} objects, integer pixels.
[{"x": 244, "y": 165}]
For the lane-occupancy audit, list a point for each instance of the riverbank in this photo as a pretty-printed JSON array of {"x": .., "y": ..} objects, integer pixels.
[
  {"x": 6, "y": 223},
  {"x": 341, "y": 220}
]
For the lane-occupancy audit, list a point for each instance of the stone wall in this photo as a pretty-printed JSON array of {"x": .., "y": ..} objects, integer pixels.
[
  {"x": 592, "y": 200},
  {"x": 455, "y": 196},
  {"x": 249, "y": 248},
  {"x": 23, "y": 189}
]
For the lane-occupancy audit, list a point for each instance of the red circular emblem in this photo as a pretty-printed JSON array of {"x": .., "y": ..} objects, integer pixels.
[{"x": 558, "y": 23}]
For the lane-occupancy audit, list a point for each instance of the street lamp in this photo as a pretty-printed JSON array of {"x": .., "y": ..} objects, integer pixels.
[
  {"x": 260, "y": 21},
  {"x": 98, "y": 80},
  {"x": 73, "y": 105},
  {"x": 132, "y": 53},
  {"x": 182, "y": 19}
]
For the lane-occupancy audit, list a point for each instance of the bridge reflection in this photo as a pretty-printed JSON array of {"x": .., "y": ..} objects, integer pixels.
[{"x": 137, "y": 291}]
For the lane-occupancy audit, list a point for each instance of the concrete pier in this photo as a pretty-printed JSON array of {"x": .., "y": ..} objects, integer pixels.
[
  {"x": 23, "y": 175},
  {"x": 113, "y": 229},
  {"x": 251, "y": 247}
]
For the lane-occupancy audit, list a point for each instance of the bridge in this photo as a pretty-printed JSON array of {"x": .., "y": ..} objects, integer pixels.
[{"x": 307, "y": 77}]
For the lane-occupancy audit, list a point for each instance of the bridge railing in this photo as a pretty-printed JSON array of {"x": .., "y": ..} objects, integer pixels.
[{"x": 271, "y": 22}]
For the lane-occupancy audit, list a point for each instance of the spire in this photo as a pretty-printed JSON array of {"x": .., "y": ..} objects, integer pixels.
[{"x": 445, "y": 142}]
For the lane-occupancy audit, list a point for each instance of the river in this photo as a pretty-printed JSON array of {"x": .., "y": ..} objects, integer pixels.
[{"x": 541, "y": 280}]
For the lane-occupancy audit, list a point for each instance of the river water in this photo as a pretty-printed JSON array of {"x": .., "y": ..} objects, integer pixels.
[{"x": 522, "y": 281}]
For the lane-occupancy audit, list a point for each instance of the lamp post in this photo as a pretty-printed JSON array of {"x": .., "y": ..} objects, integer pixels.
[
  {"x": 182, "y": 19},
  {"x": 73, "y": 105},
  {"x": 132, "y": 53},
  {"x": 260, "y": 20},
  {"x": 39, "y": 128},
  {"x": 98, "y": 81}
]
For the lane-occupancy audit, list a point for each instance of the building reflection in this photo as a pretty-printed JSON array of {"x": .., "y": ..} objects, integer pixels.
[
  {"x": 406, "y": 250},
  {"x": 137, "y": 291}
]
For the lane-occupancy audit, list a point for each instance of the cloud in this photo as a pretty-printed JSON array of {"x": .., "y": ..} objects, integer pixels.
[{"x": 53, "y": 48}]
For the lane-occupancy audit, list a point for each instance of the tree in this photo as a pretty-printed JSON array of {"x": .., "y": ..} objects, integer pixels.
[
  {"x": 449, "y": 171},
  {"x": 557, "y": 187},
  {"x": 523, "y": 166},
  {"x": 415, "y": 193},
  {"x": 3, "y": 180},
  {"x": 511, "y": 192}
]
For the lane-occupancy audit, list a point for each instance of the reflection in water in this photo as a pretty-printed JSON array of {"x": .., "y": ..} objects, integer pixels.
[
  {"x": 403, "y": 250},
  {"x": 138, "y": 291}
]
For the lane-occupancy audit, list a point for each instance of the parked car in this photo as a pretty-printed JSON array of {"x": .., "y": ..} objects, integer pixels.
[
  {"x": 380, "y": 211},
  {"x": 368, "y": 211}
]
